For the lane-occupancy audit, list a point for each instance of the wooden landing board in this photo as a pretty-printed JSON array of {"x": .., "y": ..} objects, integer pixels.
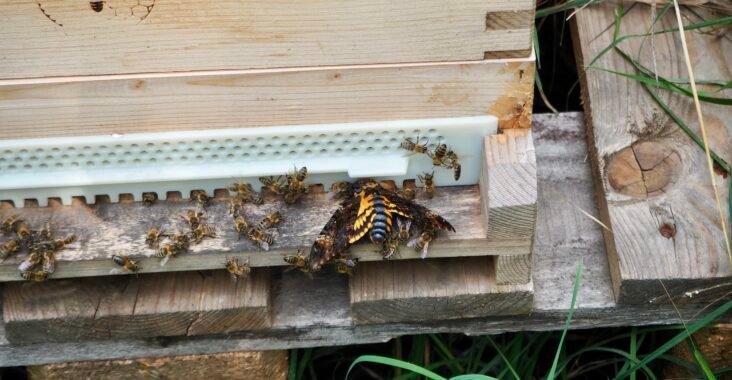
[
  {"x": 93, "y": 105},
  {"x": 143, "y": 36},
  {"x": 428, "y": 290},
  {"x": 118, "y": 228},
  {"x": 169, "y": 304},
  {"x": 247, "y": 365},
  {"x": 654, "y": 191}
]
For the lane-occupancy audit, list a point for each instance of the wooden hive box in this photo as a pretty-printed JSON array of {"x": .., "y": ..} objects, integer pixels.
[{"x": 157, "y": 66}]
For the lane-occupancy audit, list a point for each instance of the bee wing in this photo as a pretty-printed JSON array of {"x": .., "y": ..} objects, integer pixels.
[
  {"x": 339, "y": 227},
  {"x": 424, "y": 250},
  {"x": 164, "y": 261},
  {"x": 413, "y": 242},
  {"x": 116, "y": 271},
  {"x": 265, "y": 246}
]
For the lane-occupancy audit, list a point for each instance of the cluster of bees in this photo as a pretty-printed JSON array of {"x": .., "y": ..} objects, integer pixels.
[
  {"x": 39, "y": 244},
  {"x": 389, "y": 219}
]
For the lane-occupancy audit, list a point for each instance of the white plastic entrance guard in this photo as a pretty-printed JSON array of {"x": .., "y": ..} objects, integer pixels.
[{"x": 210, "y": 159}]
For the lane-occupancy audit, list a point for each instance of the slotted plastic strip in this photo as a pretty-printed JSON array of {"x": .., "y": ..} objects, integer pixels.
[{"x": 210, "y": 159}]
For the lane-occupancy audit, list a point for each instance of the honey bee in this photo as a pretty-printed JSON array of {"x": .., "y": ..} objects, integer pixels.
[
  {"x": 345, "y": 265},
  {"x": 438, "y": 156},
  {"x": 298, "y": 260},
  {"x": 153, "y": 235},
  {"x": 340, "y": 189},
  {"x": 9, "y": 248},
  {"x": 201, "y": 232},
  {"x": 274, "y": 218},
  {"x": 407, "y": 192},
  {"x": 454, "y": 164},
  {"x": 22, "y": 230},
  {"x": 48, "y": 265},
  {"x": 389, "y": 247},
  {"x": 296, "y": 185},
  {"x": 422, "y": 242},
  {"x": 9, "y": 223},
  {"x": 260, "y": 238},
  {"x": 240, "y": 187},
  {"x": 245, "y": 193},
  {"x": 200, "y": 197},
  {"x": 235, "y": 205},
  {"x": 30, "y": 262},
  {"x": 193, "y": 218},
  {"x": 35, "y": 276},
  {"x": 237, "y": 269},
  {"x": 149, "y": 199},
  {"x": 60, "y": 244},
  {"x": 241, "y": 225},
  {"x": 180, "y": 243},
  {"x": 96, "y": 6},
  {"x": 403, "y": 229},
  {"x": 414, "y": 145},
  {"x": 274, "y": 185},
  {"x": 429, "y": 184},
  {"x": 126, "y": 263},
  {"x": 299, "y": 175}
]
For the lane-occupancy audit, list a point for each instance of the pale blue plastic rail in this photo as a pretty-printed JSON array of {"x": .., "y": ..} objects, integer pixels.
[{"x": 210, "y": 159}]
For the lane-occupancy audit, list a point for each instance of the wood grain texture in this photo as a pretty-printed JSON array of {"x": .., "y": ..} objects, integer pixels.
[
  {"x": 118, "y": 228},
  {"x": 316, "y": 312},
  {"x": 175, "y": 304},
  {"x": 240, "y": 365},
  {"x": 509, "y": 197},
  {"x": 261, "y": 98},
  {"x": 426, "y": 290},
  {"x": 166, "y": 36},
  {"x": 670, "y": 230}
]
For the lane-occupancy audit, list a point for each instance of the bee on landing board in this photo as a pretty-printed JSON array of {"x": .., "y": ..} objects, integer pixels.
[
  {"x": 422, "y": 242},
  {"x": 9, "y": 223},
  {"x": 9, "y": 248},
  {"x": 274, "y": 185},
  {"x": 429, "y": 184},
  {"x": 295, "y": 187},
  {"x": 201, "y": 232},
  {"x": 126, "y": 263},
  {"x": 272, "y": 219},
  {"x": 390, "y": 247},
  {"x": 153, "y": 235},
  {"x": 200, "y": 197},
  {"x": 237, "y": 269},
  {"x": 298, "y": 260},
  {"x": 149, "y": 199},
  {"x": 261, "y": 238},
  {"x": 193, "y": 218},
  {"x": 241, "y": 226}
]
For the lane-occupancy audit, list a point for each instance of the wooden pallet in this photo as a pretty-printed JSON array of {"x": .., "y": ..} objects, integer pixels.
[
  {"x": 484, "y": 282},
  {"x": 654, "y": 193},
  {"x": 162, "y": 36}
]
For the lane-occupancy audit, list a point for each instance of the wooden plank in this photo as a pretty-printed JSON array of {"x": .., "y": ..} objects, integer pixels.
[
  {"x": 426, "y": 290},
  {"x": 316, "y": 313},
  {"x": 259, "y": 98},
  {"x": 654, "y": 191},
  {"x": 509, "y": 197},
  {"x": 106, "y": 229},
  {"x": 162, "y": 36},
  {"x": 240, "y": 365},
  {"x": 174, "y": 304}
]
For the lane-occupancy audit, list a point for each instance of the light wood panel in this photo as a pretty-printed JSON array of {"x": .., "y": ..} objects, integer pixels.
[
  {"x": 141, "y": 36},
  {"x": 260, "y": 98},
  {"x": 317, "y": 312},
  {"x": 439, "y": 289},
  {"x": 171, "y": 304},
  {"x": 119, "y": 228},
  {"x": 252, "y": 365},
  {"x": 509, "y": 197},
  {"x": 654, "y": 191}
]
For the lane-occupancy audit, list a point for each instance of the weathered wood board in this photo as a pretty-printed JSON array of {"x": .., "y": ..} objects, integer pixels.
[
  {"x": 143, "y": 36},
  {"x": 654, "y": 191},
  {"x": 508, "y": 192},
  {"x": 317, "y": 312},
  {"x": 168, "y": 304},
  {"x": 245, "y": 365},
  {"x": 106, "y": 229},
  {"x": 94, "y": 105},
  {"x": 428, "y": 290}
]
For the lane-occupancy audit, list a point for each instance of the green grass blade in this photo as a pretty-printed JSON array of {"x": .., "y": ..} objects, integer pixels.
[
  {"x": 473, "y": 377},
  {"x": 703, "y": 364},
  {"x": 633, "y": 348},
  {"x": 292, "y": 373},
  {"x": 307, "y": 353},
  {"x": 692, "y": 328},
  {"x": 575, "y": 291},
  {"x": 442, "y": 349},
  {"x": 394, "y": 363}
]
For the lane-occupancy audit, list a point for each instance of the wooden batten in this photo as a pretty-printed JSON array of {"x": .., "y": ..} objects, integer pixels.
[
  {"x": 254, "y": 365},
  {"x": 158, "y": 36},
  {"x": 437, "y": 289},
  {"x": 654, "y": 192},
  {"x": 171, "y": 304},
  {"x": 53, "y": 107},
  {"x": 509, "y": 198}
]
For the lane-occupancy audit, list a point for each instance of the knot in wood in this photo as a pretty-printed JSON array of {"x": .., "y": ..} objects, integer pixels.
[{"x": 644, "y": 169}]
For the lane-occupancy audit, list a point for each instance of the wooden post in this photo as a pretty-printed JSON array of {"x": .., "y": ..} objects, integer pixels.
[
  {"x": 270, "y": 365},
  {"x": 509, "y": 196}
]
